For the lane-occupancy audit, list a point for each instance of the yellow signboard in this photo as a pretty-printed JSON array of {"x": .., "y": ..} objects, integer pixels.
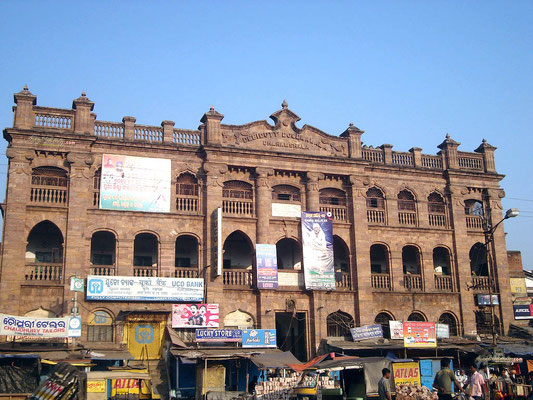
[
  {"x": 96, "y": 386},
  {"x": 408, "y": 373},
  {"x": 518, "y": 286}
]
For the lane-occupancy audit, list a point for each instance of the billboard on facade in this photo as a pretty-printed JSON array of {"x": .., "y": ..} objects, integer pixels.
[
  {"x": 35, "y": 327},
  {"x": 144, "y": 289},
  {"x": 419, "y": 334},
  {"x": 443, "y": 331},
  {"x": 267, "y": 266},
  {"x": 523, "y": 311},
  {"x": 406, "y": 373},
  {"x": 317, "y": 234},
  {"x": 259, "y": 338},
  {"x": 135, "y": 183},
  {"x": 366, "y": 332},
  {"x": 396, "y": 329},
  {"x": 195, "y": 315},
  {"x": 286, "y": 210}
]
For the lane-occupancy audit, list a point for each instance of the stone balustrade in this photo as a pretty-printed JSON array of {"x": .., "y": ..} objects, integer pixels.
[
  {"x": 474, "y": 222},
  {"x": 412, "y": 282},
  {"x": 238, "y": 278},
  {"x": 44, "y": 272},
  {"x": 444, "y": 283},
  {"x": 50, "y": 196},
  {"x": 337, "y": 212},
  {"x": 185, "y": 272},
  {"x": 145, "y": 272},
  {"x": 381, "y": 281},
  {"x": 105, "y": 270}
]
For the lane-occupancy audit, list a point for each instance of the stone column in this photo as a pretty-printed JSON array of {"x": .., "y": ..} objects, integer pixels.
[
  {"x": 212, "y": 119},
  {"x": 427, "y": 270},
  {"x": 168, "y": 131},
  {"x": 449, "y": 147},
  {"x": 417, "y": 156},
  {"x": 488, "y": 156},
  {"x": 125, "y": 250},
  {"x": 83, "y": 119},
  {"x": 396, "y": 269},
  {"x": 387, "y": 153},
  {"x": 24, "y": 115},
  {"x": 313, "y": 194},
  {"x": 166, "y": 257},
  {"x": 353, "y": 134},
  {"x": 263, "y": 203},
  {"x": 129, "y": 128}
]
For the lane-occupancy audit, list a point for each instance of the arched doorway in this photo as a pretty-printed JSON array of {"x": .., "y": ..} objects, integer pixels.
[
  {"x": 103, "y": 251},
  {"x": 238, "y": 251},
  {"x": 44, "y": 253},
  {"x": 289, "y": 254},
  {"x": 341, "y": 262},
  {"x": 145, "y": 255},
  {"x": 450, "y": 320},
  {"x": 186, "y": 254}
]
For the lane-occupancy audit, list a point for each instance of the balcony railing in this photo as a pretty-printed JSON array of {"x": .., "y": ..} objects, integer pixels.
[
  {"x": 44, "y": 272},
  {"x": 481, "y": 283},
  {"x": 144, "y": 271},
  {"x": 50, "y": 196},
  {"x": 109, "y": 130},
  {"x": 412, "y": 282},
  {"x": 474, "y": 222},
  {"x": 343, "y": 280},
  {"x": 185, "y": 272},
  {"x": 443, "y": 282},
  {"x": 437, "y": 220},
  {"x": 381, "y": 281},
  {"x": 238, "y": 207},
  {"x": 376, "y": 217},
  {"x": 337, "y": 212},
  {"x": 106, "y": 270},
  {"x": 187, "y": 204},
  {"x": 53, "y": 119},
  {"x": 407, "y": 218},
  {"x": 238, "y": 278}
]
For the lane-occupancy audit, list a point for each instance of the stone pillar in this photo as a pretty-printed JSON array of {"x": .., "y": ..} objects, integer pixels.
[
  {"x": 263, "y": 203},
  {"x": 449, "y": 147},
  {"x": 15, "y": 232},
  {"x": 387, "y": 153},
  {"x": 83, "y": 119},
  {"x": 423, "y": 212},
  {"x": 313, "y": 194},
  {"x": 417, "y": 156},
  {"x": 396, "y": 269},
  {"x": 353, "y": 134},
  {"x": 168, "y": 131},
  {"x": 125, "y": 250},
  {"x": 166, "y": 257},
  {"x": 24, "y": 115},
  {"x": 461, "y": 251},
  {"x": 129, "y": 128},
  {"x": 212, "y": 119},
  {"x": 427, "y": 270},
  {"x": 488, "y": 156}
]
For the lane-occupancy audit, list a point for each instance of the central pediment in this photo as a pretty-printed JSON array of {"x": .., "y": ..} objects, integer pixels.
[{"x": 284, "y": 136}]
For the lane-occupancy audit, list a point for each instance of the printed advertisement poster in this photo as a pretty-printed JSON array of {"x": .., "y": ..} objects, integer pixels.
[
  {"x": 406, "y": 373},
  {"x": 135, "y": 183},
  {"x": 443, "y": 331},
  {"x": 144, "y": 289},
  {"x": 396, "y": 329},
  {"x": 484, "y": 299},
  {"x": 34, "y": 327},
  {"x": 195, "y": 315},
  {"x": 317, "y": 233},
  {"x": 267, "y": 266},
  {"x": 218, "y": 335},
  {"x": 523, "y": 312},
  {"x": 366, "y": 332},
  {"x": 259, "y": 338},
  {"x": 419, "y": 334}
]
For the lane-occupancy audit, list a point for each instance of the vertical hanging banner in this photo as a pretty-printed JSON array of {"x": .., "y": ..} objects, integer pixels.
[
  {"x": 317, "y": 234},
  {"x": 135, "y": 183},
  {"x": 217, "y": 240},
  {"x": 267, "y": 266}
]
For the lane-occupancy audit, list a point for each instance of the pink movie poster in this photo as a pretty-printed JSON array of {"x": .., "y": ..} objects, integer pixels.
[{"x": 195, "y": 315}]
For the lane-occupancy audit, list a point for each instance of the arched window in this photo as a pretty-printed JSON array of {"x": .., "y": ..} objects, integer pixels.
[
  {"x": 375, "y": 206},
  {"x": 449, "y": 319},
  {"x": 44, "y": 253},
  {"x": 478, "y": 260},
  {"x": 145, "y": 255},
  {"x": 441, "y": 261},
  {"x": 49, "y": 186},
  {"x": 406, "y": 208},
  {"x": 100, "y": 327},
  {"x": 103, "y": 250},
  {"x": 339, "y": 324},
  {"x": 341, "y": 263},
  {"x": 474, "y": 214},
  {"x": 383, "y": 319},
  {"x": 416, "y": 317},
  {"x": 238, "y": 198},
  {"x": 412, "y": 268},
  {"x": 187, "y": 193},
  {"x": 96, "y": 187},
  {"x": 436, "y": 210},
  {"x": 289, "y": 254},
  {"x": 333, "y": 201},
  {"x": 186, "y": 257},
  {"x": 286, "y": 194},
  {"x": 238, "y": 251},
  {"x": 379, "y": 259}
]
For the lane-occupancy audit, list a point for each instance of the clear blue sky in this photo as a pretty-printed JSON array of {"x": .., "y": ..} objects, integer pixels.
[{"x": 406, "y": 72}]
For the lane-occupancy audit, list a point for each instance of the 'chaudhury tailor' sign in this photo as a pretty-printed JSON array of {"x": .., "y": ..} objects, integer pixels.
[
  {"x": 35, "y": 327},
  {"x": 144, "y": 289}
]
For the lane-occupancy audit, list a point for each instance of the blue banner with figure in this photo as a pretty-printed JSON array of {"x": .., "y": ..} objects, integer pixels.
[
  {"x": 259, "y": 338},
  {"x": 267, "y": 266},
  {"x": 317, "y": 235}
]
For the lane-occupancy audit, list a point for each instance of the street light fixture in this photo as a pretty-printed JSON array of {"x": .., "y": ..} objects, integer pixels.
[{"x": 488, "y": 231}]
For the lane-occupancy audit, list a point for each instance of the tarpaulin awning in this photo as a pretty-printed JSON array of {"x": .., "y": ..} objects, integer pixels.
[
  {"x": 519, "y": 349},
  {"x": 19, "y": 355},
  {"x": 308, "y": 364},
  {"x": 220, "y": 353},
  {"x": 274, "y": 360},
  {"x": 175, "y": 339},
  {"x": 118, "y": 374},
  {"x": 110, "y": 355}
]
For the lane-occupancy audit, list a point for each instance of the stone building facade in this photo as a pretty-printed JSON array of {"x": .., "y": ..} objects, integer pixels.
[{"x": 408, "y": 226}]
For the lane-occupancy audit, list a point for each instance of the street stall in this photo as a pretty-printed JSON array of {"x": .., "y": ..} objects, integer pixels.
[{"x": 134, "y": 384}]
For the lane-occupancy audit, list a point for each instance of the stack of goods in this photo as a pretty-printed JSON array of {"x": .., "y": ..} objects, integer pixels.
[
  {"x": 327, "y": 382},
  {"x": 277, "y": 388},
  {"x": 414, "y": 392}
]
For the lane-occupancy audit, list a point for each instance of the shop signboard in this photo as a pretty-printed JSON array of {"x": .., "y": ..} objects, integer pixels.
[
  {"x": 406, "y": 373},
  {"x": 518, "y": 287},
  {"x": 419, "y": 334},
  {"x": 484, "y": 299},
  {"x": 366, "y": 332},
  {"x": 218, "y": 335},
  {"x": 523, "y": 311},
  {"x": 443, "y": 331},
  {"x": 74, "y": 327},
  {"x": 259, "y": 338},
  {"x": 135, "y": 183},
  {"x": 130, "y": 288},
  {"x": 396, "y": 329},
  {"x": 34, "y": 327},
  {"x": 195, "y": 315},
  {"x": 286, "y": 210},
  {"x": 317, "y": 233},
  {"x": 97, "y": 386},
  {"x": 267, "y": 266}
]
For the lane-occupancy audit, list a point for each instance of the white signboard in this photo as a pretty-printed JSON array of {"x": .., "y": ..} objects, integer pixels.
[
  {"x": 396, "y": 329},
  {"x": 217, "y": 240},
  {"x": 286, "y": 210},
  {"x": 286, "y": 278},
  {"x": 34, "y": 327},
  {"x": 74, "y": 327},
  {"x": 144, "y": 289},
  {"x": 443, "y": 331}
]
